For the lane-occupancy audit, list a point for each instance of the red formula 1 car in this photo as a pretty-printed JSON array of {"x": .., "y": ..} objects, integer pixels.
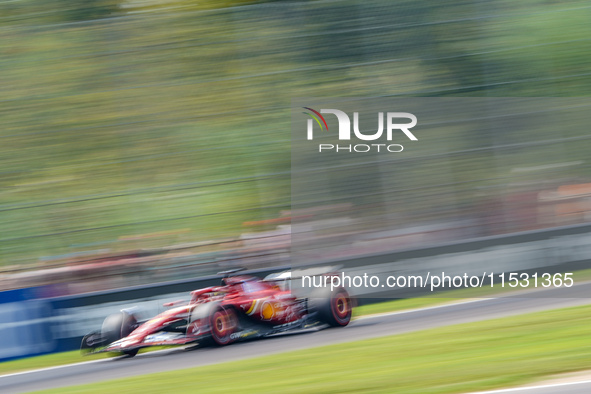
[{"x": 243, "y": 307}]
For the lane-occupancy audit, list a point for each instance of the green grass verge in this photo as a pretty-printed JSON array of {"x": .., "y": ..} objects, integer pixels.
[
  {"x": 401, "y": 305},
  {"x": 49, "y": 360},
  {"x": 467, "y": 357},
  {"x": 57, "y": 359}
]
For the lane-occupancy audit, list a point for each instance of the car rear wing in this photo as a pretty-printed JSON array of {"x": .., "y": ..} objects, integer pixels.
[{"x": 298, "y": 273}]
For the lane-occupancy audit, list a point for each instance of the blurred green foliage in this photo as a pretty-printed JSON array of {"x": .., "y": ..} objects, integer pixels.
[{"x": 123, "y": 118}]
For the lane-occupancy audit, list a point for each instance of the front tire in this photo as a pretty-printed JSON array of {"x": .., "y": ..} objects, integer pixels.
[
  {"x": 130, "y": 353},
  {"x": 117, "y": 326}
]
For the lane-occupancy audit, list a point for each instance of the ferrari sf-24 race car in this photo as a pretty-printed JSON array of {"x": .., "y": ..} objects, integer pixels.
[{"x": 242, "y": 307}]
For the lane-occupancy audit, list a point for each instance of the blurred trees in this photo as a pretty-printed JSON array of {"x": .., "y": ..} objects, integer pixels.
[
  {"x": 74, "y": 10},
  {"x": 176, "y": 114}
]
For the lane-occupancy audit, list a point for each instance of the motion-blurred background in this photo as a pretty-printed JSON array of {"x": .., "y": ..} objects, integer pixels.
[{"x": 149, "y": 141}]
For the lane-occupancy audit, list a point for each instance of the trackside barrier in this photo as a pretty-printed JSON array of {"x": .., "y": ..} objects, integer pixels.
[{"x": 25, "y": 323}]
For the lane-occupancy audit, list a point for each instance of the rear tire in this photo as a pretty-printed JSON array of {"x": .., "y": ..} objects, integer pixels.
[
  {"x": 224, "y": 323},
  {"x": 334, "y": 308}
]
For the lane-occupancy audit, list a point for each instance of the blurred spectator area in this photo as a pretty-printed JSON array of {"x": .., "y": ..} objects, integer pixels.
[{"x": 567, "y": 204}]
